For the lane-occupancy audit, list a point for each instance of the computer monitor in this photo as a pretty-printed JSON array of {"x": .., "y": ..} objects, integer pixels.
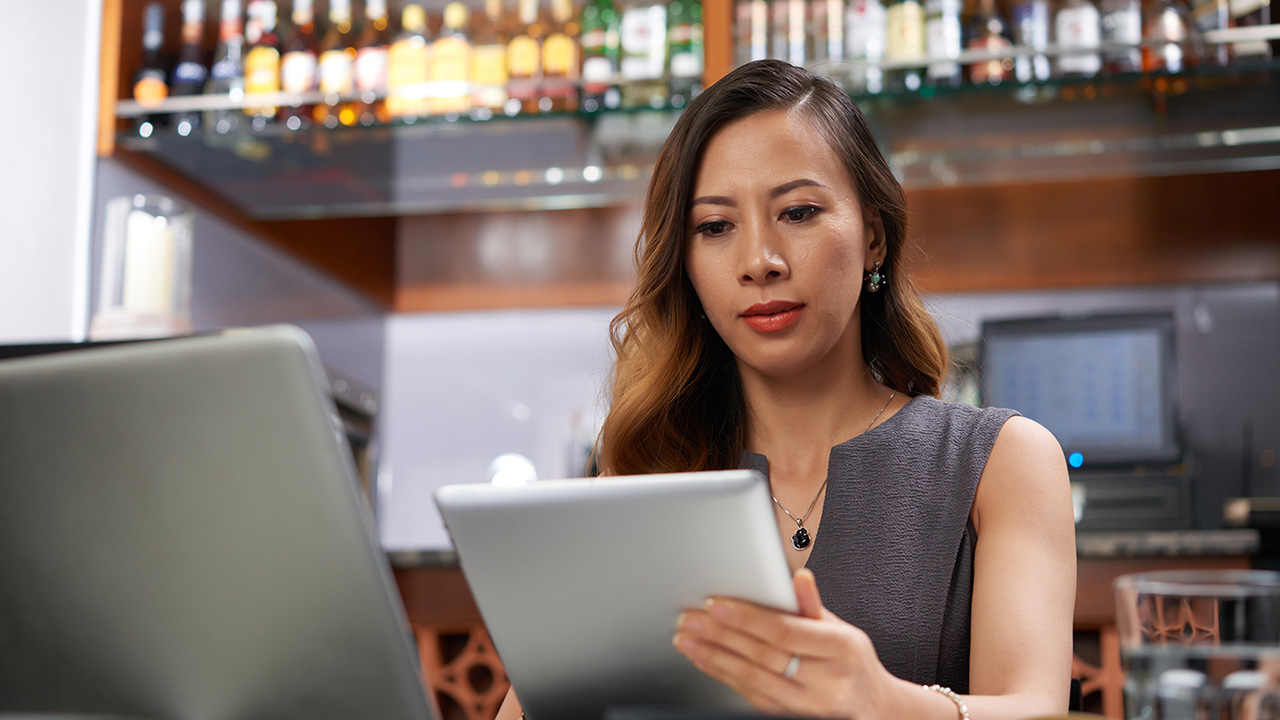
[
  {"x": 181, "y": 536},
  {"x": 1103, "y": 384}
]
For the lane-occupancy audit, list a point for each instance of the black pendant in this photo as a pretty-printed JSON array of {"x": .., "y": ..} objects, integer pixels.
[{"x": 801, "y": 539}]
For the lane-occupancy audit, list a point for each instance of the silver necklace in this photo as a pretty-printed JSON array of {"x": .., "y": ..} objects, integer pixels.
[{"x": 801, "y": 539}]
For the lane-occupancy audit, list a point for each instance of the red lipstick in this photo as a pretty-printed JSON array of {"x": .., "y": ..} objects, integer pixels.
[{"x": 772, "y": 316}]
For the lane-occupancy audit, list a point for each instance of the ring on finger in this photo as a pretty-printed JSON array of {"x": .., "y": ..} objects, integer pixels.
[{"x": 793, "y": 667}]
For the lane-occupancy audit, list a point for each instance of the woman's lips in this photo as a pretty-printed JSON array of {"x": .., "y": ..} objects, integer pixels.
[{"x": 772, "y": 316}]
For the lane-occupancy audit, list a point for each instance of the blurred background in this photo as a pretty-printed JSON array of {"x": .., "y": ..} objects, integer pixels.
[{"x": 446, "y": 197}]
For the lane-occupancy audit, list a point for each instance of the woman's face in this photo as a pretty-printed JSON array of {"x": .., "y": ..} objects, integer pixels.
[{"x": 778, "y": 243}]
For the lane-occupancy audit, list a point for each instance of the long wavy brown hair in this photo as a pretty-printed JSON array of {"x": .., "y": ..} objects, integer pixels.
[{"x": 677, "y": 402}]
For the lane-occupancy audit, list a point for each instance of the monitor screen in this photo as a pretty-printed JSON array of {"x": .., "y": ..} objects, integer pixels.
[{"x": 1103, "y": 385}]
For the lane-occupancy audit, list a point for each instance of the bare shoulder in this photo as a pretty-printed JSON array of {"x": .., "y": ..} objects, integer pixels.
[{"x": 1025, "y": 474}]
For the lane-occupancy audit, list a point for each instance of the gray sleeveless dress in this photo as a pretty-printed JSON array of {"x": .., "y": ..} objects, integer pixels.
[{"x": 893, "y": 553}]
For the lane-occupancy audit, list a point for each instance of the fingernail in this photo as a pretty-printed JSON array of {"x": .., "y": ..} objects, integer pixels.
[
  {"x": 690, "y": 622},
  {"x": 683, "y": 642},
  {"x": 717, "y": 608}
]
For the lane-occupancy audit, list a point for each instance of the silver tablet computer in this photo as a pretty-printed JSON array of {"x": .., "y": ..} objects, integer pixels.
[
  {"x": 580, "y": 582},
  {"x": 181, "y": 536}
]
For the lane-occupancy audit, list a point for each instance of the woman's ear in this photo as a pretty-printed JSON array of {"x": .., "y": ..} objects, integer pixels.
[{"x": 873, "y": 226}]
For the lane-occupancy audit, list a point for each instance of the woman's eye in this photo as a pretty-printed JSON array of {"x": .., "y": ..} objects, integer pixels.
[
  {"x": 799, "y": 212},
  {"x": 713, "y": 228}
]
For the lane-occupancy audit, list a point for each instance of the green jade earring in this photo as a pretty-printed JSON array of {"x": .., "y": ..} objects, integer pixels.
[{"x": 874, "y": 279}]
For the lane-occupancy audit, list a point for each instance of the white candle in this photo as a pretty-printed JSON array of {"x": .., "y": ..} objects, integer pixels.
[{"x": 149, "y": 258}]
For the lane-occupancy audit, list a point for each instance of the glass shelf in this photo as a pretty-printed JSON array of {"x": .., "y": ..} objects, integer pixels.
[
  {"x": 441, "y": 164},
  {"x": 1204, "y": 120}
]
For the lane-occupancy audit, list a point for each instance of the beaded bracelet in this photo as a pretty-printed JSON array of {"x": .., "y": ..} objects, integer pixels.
[{"x": 953, "y": 697}]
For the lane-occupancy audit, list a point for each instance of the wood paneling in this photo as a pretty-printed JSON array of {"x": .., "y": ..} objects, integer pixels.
[
  {"x": 515, "y": 259},
  {"x": 1121, "y": 231}
]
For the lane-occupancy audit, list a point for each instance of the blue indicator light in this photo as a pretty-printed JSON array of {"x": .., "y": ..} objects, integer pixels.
[{"x": 1075, "y": 459}]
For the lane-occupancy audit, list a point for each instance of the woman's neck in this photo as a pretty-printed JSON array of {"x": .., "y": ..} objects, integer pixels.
[{"x": 796, "y": 420}]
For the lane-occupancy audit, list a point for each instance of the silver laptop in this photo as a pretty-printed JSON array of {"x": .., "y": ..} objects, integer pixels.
[
  {"x": 181, "y": 536},
  {"x": 580, "y": 582}
]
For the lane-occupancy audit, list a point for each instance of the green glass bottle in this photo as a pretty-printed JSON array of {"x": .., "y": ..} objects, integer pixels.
[
  {"x": 684, "y": 50},
  {"x": 600, "y": 52}
]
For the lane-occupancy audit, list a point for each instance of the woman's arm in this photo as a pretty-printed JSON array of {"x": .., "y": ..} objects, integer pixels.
[
  {"x": 1024, "y": 577},
  {"x": 1020, "y": 637}
]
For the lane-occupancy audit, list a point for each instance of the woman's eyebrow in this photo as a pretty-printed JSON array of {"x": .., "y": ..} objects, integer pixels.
[
  {"x": 785, "y": 188},
  {"x": 778, "y": 191}
]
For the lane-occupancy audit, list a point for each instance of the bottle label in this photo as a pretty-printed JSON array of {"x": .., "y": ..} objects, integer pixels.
[
  {"x": 262, "y": 70},
  {"x": 450, "y": 59},
  {"x": 905, "y": 31},
  {"x": 489, "y": 65},
  {"x": 337, "y": 76},
  {"x": 298, "y": 71},
  {"x": 559, "y": 56},
  {"x": 686, "y": 65},
  {"x": 643, "y": 39},
  {"x": 1079, "y": 27},
  {"x": 189, "y": 72},
  {"x": 596, "y": 72},
  {"x": 406, "y": 73},
  {"x": 450, "y": 63},
  {"x": 593, "y": 41},
  {"x": 1122, "y": 25},
  {"x": 231, "y": 25},
  {"x": 150, "y": 90},
  {"x": 371, "y": 69},
  {"x": 523, "y": 56},
  {"x": 866, "y": 30},
  {"x": 489, "y": 75}
]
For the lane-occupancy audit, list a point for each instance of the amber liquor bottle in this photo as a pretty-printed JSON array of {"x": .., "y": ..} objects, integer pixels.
[
  {"x": 299, "y": 67},
  {"x": 149, "y": 85},
  {"x": 371, "y": 63},
  {"x": 337, "y": 68},
  {"x": 558, "y": 91}
]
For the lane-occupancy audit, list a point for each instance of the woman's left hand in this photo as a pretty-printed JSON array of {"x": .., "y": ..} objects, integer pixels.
[{"x": 810, "y": 664}]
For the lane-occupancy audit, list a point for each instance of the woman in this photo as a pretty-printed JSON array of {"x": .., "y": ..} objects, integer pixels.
[{"x": 773, "y": 327}]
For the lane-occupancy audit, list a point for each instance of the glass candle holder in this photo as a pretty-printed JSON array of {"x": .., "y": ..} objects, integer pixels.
[{"x": 145, "y": 288}]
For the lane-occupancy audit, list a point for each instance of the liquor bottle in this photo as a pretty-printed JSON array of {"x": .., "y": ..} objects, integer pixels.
[
  {"x": 1078, "y": 31},
  {"x": 751, "y": 31},
  {"x": 684, "y": 50},
  {"x": 943, "y": 42},
  {"x": 787, "y": 21},
  {"x": 524, "y": 58},
  {"x": 904, "y": 43},
  {"x": 865, "y": 32},
  {"x": 299, "y": 66},
  {"x": 226, "y": 75},
  {"x": 558, "y": 91},
  {"x": 371, "y": 63},
  {"x": 1031, "y": 30},
  {"x": 600, "y": 56},
  {"x": 1122, "y": 35},
  {"x": 643, "y": 39},
  {"x": 149, "y": 85},
  {"x": 262, "y": 59},
  {"x": 489, "y": 63},
  {"x": 1206, "y": 17},
  {"x": 407, "y": 67},
  {"x": 826, "y": 34},
  {"x": 190, "y": 73},
  {"x": 450, "y": 68},
  {"x": 989, "y": 32},
  {"x": 337, "y": 68},
  {"x": 1165, "y": 31}
]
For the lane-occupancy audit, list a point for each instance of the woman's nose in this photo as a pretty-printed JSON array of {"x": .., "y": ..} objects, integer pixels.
[{"x": 763, "y": 258}]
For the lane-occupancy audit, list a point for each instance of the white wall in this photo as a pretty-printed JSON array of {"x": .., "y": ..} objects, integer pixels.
[
  {"x": 462, "y": 388},
  {"x": 46, "y": 168}
]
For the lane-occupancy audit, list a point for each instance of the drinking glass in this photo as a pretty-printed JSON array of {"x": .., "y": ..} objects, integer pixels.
[
  {"x": 145, "y": 288},
  {"x": 1200, "y": 644}
]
